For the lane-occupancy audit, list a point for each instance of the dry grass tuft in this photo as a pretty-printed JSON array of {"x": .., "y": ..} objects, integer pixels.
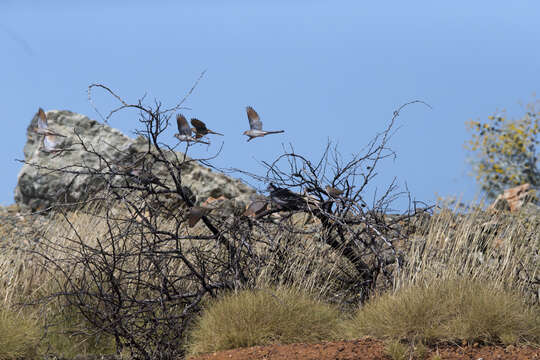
[
  {"x": 450, "y": 310},
  {"x": 42, "y": 326},
  {"x": 262, "y": 317},
  {"x": 498, "y": 247}
]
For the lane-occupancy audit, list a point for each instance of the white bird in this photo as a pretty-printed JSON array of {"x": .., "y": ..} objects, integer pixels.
[
  {"x": 184, "y": 131},
  {"x": 255, "y": 125}
]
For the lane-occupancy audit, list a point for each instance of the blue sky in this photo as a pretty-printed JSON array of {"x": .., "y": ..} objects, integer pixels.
[{"x": 318, "y": 69}]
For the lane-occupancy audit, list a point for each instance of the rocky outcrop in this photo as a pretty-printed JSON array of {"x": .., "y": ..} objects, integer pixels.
[{"x": 40, "y": 185}]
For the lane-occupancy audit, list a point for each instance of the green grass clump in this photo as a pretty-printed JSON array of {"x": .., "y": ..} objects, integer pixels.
[
  {"x": 262, "y": 317},
  {"x": 447, "y": 311},
  {"x": 19, "y": 335},
  {"x": 69, "y": 334},
  {"x": 397, "y": 350}
]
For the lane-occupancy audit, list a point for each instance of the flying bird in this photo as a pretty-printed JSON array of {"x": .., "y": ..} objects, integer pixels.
[
  {"x": 50, "y": 144},
  {"x": 200, "y": 129},
  {"x": 255, "y": 125},
  {"x": 196, "y": 213},
  {"x": 184, "y": 131},
  {"x": 43, "y": 126}
]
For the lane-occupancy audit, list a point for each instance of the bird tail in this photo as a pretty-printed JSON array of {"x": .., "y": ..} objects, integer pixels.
[
  {"x": 275, "y": 132},
  {"x": 215, "y": 133}
]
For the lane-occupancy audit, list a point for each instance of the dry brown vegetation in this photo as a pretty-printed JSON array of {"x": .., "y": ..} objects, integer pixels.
[
  {"x": 127, "y": 273},
  {"x": 468, "y": 277}
]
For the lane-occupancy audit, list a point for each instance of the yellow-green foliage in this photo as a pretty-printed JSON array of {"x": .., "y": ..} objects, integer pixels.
[
  {"x": 397, "y": 350},
  {"x": 19, "y": 335},
  {"x": 262, "y": 317},
  {"x": 505, "y": 151},
  {"x": 449, "y": 310},
  {"x": 70, "y": 334}
]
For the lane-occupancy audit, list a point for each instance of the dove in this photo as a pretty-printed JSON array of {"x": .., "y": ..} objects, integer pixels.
[
  {"x": 200, "y": 129},
  {"x": 286, "y": 198},
  {"x": 143, "y": 176},
  {"x": 333, "y": 192},
  {"x": 257, "y": 206},
  {"x": 196, "y": 213},
  {"x": 184, "y": 131},
  {"x": 255, "y": 125},
  {"x": 50, "y": 144},
  {"x": 43, "y": 127}
]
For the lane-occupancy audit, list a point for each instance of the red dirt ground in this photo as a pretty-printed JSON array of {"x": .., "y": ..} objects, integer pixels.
[{"x": 367, "y": 349}]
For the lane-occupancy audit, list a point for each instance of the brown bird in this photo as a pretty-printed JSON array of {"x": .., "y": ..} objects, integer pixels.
[
  {"x": 200, "y": 129},
  {"x": 43, "y": 127},
  {"x": 255, "y": 125},
  {"x": 184, "y": 131},
  {"x": 196, "y": 213},
  {"x": 257, "y": 206},
  {"x": 333, "y": 192}
]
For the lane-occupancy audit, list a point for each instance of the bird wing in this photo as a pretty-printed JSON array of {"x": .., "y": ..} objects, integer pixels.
[
  {"x": 49, "y": 142},
  {"x": 254, "y": 122},
  {"x": 42, "y": 119},
  {"x": 183, "y": 126},
  {"x": 199, "y": 125}
]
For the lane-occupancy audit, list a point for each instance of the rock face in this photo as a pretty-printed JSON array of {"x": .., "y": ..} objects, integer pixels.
[{"x": 39, "y": 186}]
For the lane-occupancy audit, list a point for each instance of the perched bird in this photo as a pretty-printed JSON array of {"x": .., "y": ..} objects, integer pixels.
[
  {"x": 200, "y": 129},
  {"x": 43, "y": 127},
  {"x": 333, "y": 192},
  {"x": 286, "y": 198},
  {"x": 184, "y": 131},
  {"x": 196, "y": 213},
  {"x": 257, "y": 206},
  {"x": 143, "y": 176},
  {"x": 255, "y": 125}
]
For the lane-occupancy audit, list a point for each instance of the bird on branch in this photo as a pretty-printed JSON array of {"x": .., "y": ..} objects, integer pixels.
[
  {"x": 258, "y": 205},
  {"x": 286, "y": 198},
  {"x": 195, "y": 214}
]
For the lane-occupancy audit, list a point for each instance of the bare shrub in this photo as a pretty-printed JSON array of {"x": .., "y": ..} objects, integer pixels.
[{"x": 141, "y": 267}]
